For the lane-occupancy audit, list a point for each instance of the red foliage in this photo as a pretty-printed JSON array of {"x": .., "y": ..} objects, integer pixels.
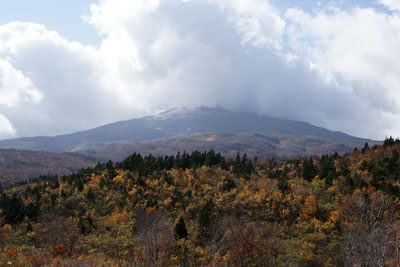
[
  {"x": 11, "y": 252},
  {"x": 59, "y": 250}
]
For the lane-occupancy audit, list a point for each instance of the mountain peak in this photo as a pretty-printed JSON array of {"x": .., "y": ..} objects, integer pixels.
[
  {"x": 185, "y": 112},
  {"x": 176, "y": 122},
  {"x": 171, "y": 112}
]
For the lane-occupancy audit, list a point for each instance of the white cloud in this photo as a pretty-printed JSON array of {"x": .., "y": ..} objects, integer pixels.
[
  {"x": 6, "y": 128},
  {"x": 170, "y": 48},
  {"x": 157, "y": 54},
  {"x": 256, "y": 20},
  {"x": 391, "y": 4},
  {"x": 358, "y": 48},
  {"x": 51, "y": 85},
  {"x": 15, "y": 87}
]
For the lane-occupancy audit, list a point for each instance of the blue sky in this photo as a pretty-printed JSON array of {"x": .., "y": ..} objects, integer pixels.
[
  {"x": 332, "y": 63},
  {"x": 63, "y": 16}
]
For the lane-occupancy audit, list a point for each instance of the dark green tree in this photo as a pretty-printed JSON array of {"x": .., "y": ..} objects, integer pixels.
[
  {"x": 309, "y": 170},
  {"x": 13, "y": 209},
  {"x": 205, "y": 219},
  {"x": 180, "y": 229},
  {"x": 365, "y": 148},
  {"x": 228, "y": 185},
  {"x": 388, "y": 142},
  {"x": 326, "y": 166},
  {"x": 32, "y": 210},
  {"x": 283, "y": 184}
]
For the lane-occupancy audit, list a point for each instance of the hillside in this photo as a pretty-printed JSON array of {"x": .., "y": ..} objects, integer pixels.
[
  {"x": 172, "y": 124},
  {"x": 228, "y": 144},
  {"x": 201, "y": 209},
  {"x": 16, "y": 165}
]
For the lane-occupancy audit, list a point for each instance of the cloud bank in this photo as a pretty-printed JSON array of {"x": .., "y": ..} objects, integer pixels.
[{"x": 331, "y": 67}]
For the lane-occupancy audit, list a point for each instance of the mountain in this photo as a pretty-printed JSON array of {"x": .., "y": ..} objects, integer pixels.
[
  {"x": 175, "y": 123},
  {"x": 253, "y": 144},
  {"x": 20, "y": 165}
]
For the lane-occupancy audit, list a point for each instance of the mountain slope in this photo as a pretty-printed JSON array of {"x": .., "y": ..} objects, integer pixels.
[
  {"x": 173, "y": 123},
  {"x": 253, "y": 144},
  {"x": 17, "y": 165}
]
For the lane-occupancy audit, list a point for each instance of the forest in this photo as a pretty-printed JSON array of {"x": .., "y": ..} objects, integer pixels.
[
  {"x": 201, "y": 209},
  {"x": 20, "y": 165}
]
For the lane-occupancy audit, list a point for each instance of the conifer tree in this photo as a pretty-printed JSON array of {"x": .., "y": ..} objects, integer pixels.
[
  {"x": 308, "y": 169},
  {"x": 365, "y": 148},
  {"x": 13, "y": 209},
  {"x": 180, "y": 229},
  {"x": 205, "y": 219}
]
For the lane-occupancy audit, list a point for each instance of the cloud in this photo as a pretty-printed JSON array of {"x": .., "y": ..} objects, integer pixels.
[
  {"x": 174, "y": 48},
  {"x": 6, "y": 128},
  {"x": 51, "y": 85},
  {"x": 391, "y": 4},
  {"x": 358, "y": 49},
  {"x": 15, "y": 87},
  {"x": 257, "y": 21},
  {"x": 334, "y": 68}
]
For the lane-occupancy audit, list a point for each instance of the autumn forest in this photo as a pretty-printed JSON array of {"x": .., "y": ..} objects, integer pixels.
[{"x": 201, "y": 209}]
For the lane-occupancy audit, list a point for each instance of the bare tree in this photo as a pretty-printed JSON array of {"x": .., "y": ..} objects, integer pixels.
[
  {"x": 59, "y": 231},
  {"x": 154, "y": 238},
  {"x": 370, "y": 232}
]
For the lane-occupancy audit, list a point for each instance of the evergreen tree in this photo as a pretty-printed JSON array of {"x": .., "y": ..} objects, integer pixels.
[
  {"x": 283, "y": 184},
  {"x": 205, "y": 219},
  {"x": 365, "y": 148},
  {"x": 32, "y": 210},
  {"x": 309, "y": 170},
  {"x": 13, "y": 209},
  {"x": 388, "y": 142},
  {"x": 180, "y": 229},
  {"x": 29, "y": 227},
  {"x": 327, "y": 168},
  {"x": 228, "y": 185}
]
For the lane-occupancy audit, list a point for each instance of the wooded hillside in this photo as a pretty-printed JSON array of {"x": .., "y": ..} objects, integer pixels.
[
  {"x": 204, "y": 210},
  {"x": 21, "y": 165}
]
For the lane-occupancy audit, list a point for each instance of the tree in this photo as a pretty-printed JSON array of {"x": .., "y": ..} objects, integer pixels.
[
  {"x": 154, "y": 233},
  {"x": 13, "y": 209},
  {"x": 388, "y": 142},
  {"x": 32, "y": 210},
  {"x": 182, "y": 234},
  {"x": 283, "y": 184},
  {"x": 205, "y": 219},
  {"x": 371, "y": 222},
  {"x": 365, "y": 148},
  {"x": 243, "y": 246},
  {"x": 326, "y": 167},
  {"x": 228, "y": 185},
  {"x": 180, "y": 229},
  {"x": 309, "y": 170}
]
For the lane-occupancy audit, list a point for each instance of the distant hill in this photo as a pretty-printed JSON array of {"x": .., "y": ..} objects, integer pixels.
[
  {"x": 253, "y": 144},
  {"x": 18, "y": 165},
  {"x": 178, "y": 123}
]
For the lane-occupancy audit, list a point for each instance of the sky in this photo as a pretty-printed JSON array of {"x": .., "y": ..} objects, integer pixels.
[{"x": 67, "y": 66}]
